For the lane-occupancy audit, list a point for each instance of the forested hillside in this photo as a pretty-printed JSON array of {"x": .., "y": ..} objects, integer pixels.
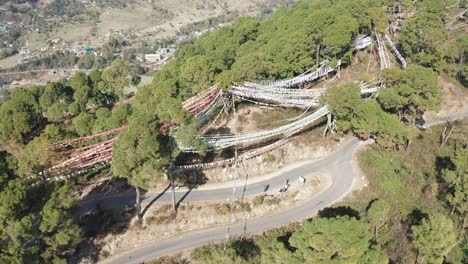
[
  {"x": 282, "y": 46},
  {"x": 37, "y": 219},
  {"x": 413, "y": 212}
]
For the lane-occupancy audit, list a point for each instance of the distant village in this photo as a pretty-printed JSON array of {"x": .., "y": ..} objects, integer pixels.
[
  {"x": 151, "y": 61},
  {"x": 154, "y": 60}
]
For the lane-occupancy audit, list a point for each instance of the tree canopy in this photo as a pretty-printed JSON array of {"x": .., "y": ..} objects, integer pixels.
[
  {"x": 115, "y": 79},
  {"x": 378, "y": 215},
  {"x": 341, "y": 239},
  {"x": 36, "y": 223},
  {"x": 20, "y": 117},
  {"x": 412, "y": 92},
  {"x": 364, "y": 118},
  {"x": 334, "y": 240},
  {"x": 32, "y": 109},
  {"x": 434, "y": 238},
  {"x": 423, "y": 39},
  {"x": 142, "y": 152},
  {"x": 456, "y": 177}
]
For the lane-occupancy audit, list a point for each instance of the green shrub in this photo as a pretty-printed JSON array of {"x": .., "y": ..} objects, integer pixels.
[
  {"x": 244, "y": 206},
  {"x": 272, "y": 201},
  {"x": 258, "y": 200},
  {"x": 223, "y": 209},
  {"x": 269, "y": 158}
]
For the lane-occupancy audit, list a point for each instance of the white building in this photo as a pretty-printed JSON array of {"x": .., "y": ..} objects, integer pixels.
[{"x": 152, "y": 58}]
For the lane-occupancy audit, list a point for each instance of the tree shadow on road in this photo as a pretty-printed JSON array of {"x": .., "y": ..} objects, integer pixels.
[
  {"x": 190, "y": 178},
  {"x": 154, "y": 200},
  {"x": 183, "y": 197}
]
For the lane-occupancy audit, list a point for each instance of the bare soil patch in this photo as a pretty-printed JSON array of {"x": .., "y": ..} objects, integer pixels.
[{"x": 455, "y": 97}]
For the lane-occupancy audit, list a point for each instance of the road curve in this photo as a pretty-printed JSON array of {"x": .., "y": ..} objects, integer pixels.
[
  {"x": 128, "y": 198},
  {"x": 338, "y": 166}
]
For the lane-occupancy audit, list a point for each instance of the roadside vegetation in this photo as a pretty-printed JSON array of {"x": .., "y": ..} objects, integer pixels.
[
  {"x": 425, "y": 189},
  {"x": 416, "y": 197}
]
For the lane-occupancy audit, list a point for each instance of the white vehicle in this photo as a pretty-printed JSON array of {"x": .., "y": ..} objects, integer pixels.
[
  {"x": 302, "y": 179},
  {"x": 285, "y": 186}
]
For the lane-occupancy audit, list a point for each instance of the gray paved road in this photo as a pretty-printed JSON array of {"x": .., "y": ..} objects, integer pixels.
[
  {"x": 338, "y": 166},
  {"x": 443, "y": 119}
]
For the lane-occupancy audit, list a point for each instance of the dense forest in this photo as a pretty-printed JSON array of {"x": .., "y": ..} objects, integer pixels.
[
  {"x": 389, "y": 224},
  {"x": 37, "y": 220}
]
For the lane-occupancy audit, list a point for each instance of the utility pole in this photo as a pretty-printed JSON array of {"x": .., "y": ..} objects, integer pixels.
[
  {"x": 460, "y": 64},
  {"x": 138, "y": 202},
  {"x": 43, "y": 175},
  {"x": 228, "y": 235},
  {"x": 338, "y": 69},
  {"x": 231, "y": 210},
  {"x": 233, "y": 105},
  {"x": 318, "y": 52},
  {"x": 171, "y": 174}
]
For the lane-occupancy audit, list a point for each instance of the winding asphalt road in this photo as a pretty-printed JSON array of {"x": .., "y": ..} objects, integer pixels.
[
  {"x": 337, "y": 166},
  {"x": 444, "y": 119}
]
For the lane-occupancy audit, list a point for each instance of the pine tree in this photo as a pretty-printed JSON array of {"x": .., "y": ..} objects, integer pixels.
[
  {"x": 342, "y": 239},
  {"x": 434, "y": 238}
]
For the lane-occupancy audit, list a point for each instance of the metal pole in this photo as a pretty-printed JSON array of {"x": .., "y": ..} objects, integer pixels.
[
  {"x": 228, "y": 235},
  {"x": 173, "y": 188},
  {"x": 138, "y": 202}
]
